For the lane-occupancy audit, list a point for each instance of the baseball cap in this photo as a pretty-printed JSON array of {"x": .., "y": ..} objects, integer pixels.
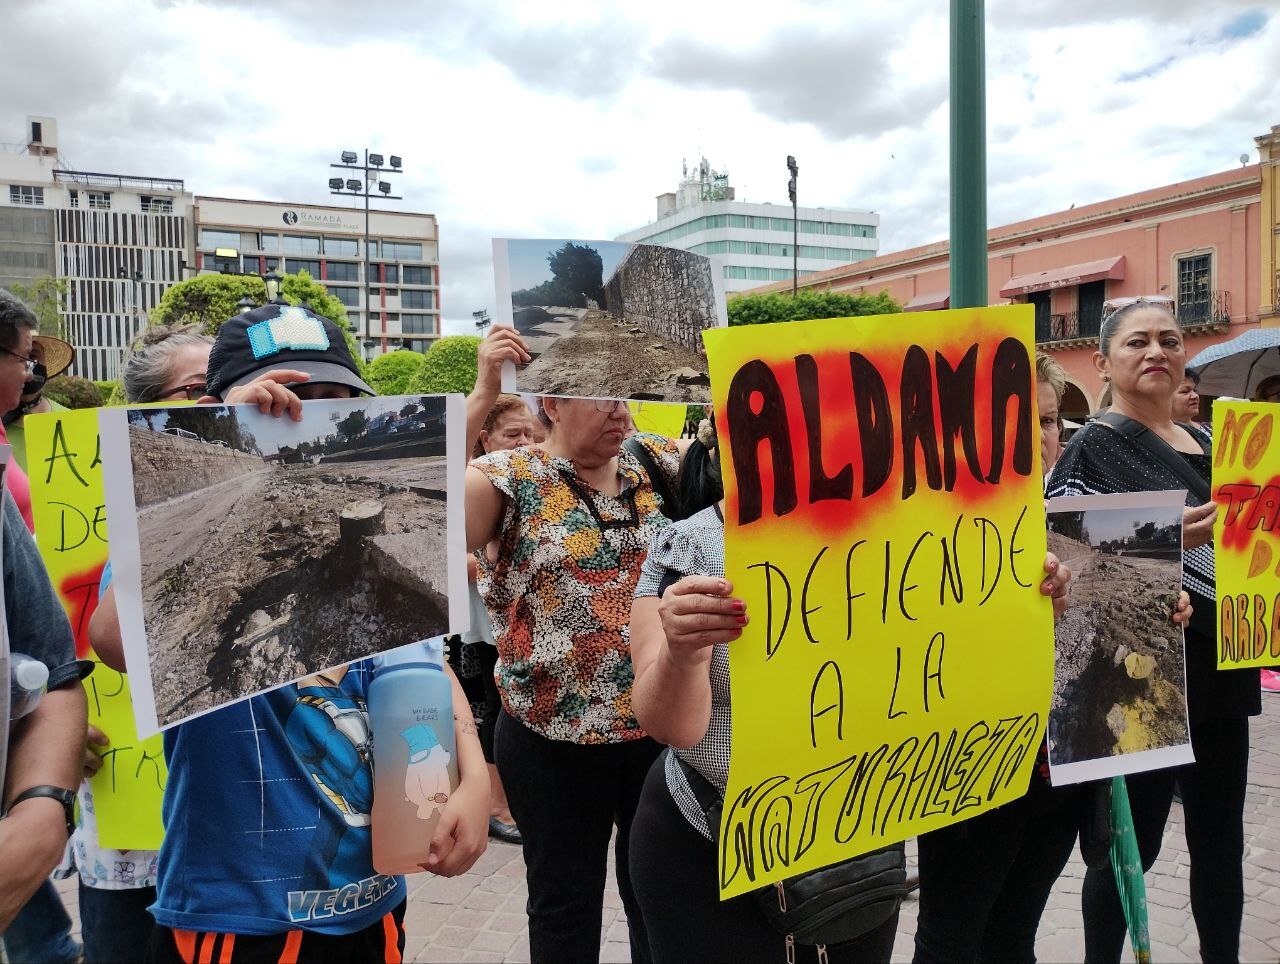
[{"x": 281, "y": 336}]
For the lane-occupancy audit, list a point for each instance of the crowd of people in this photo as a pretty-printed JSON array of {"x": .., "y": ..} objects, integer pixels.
[{"x": 591, "y": 699}]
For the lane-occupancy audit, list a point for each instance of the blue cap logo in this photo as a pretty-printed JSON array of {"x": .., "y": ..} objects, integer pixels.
[{"x": 293, "y": 328}]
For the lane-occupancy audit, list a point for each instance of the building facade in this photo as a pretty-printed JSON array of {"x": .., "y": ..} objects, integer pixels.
[
  {"x": 754, "y": 242},
  {"x": 403, "y": 286},
  {"x": 119, "y": 242},
  {"x": 1212, "y": 244}
]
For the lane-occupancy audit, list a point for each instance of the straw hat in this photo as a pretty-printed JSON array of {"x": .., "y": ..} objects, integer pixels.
[{"x": 58, "y": 355}]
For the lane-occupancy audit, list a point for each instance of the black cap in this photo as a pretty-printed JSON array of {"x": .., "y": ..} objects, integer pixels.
[{"x": 281, "y": 336}]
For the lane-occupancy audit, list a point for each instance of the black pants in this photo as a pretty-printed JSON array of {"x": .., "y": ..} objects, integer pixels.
[
  {"x": 567, "y": 798},
  {"x": 473, "y": 664},
  {"x": 673, "y": 869},
  {"x": 1213, "y": 790},
  {"x": 984, "y": 882}
]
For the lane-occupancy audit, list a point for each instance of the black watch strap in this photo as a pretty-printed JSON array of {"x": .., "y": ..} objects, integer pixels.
[{"x": 64, "y": 796}]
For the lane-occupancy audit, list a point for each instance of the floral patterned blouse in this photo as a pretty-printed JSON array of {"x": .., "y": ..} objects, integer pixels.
[{"x": 559, "y": 595}]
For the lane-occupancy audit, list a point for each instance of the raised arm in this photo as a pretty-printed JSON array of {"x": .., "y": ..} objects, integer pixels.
[{"x": 500, "y": 345}]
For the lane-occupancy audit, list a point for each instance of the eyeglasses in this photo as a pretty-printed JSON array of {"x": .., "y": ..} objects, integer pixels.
[
  {"x": 191, "y": 392},
  {"x": 607, "y": 406},
  {"x": 29, "y": 364}
]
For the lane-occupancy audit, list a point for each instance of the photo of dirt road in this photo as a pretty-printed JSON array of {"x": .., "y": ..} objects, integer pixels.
[
  {"x": 606, "y": 319},
  {"x": 272, "y": 550},
  {"x": 1119, "y": 678}
]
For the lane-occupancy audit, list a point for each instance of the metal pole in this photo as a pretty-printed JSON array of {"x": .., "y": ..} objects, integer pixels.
[
  {"x": 968, "y": 155},
  {"x": 368, "y": 280},
  {"x": 794, "y": 170}
]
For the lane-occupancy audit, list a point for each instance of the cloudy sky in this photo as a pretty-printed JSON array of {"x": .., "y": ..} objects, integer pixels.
[{"x": 565, "y": 119}]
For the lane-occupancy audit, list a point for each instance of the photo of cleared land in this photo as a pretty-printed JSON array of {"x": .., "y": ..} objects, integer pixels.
[{"x": 272, "y": 550}]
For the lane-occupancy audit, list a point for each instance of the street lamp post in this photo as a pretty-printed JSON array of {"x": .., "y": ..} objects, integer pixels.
[
  {"x": 795, "y": 224},
  {"x": 372, "y": 170}
]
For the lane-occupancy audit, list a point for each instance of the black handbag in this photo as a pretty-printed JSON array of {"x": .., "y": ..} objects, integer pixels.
[{"x": 824, "y": 907}]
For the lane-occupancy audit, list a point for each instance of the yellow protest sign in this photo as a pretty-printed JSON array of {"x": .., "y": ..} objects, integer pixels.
[
  {"x": 1246, "y": 486},
  {"x": 884, "y": 522},
  {"x": 71, "y": 531},
  {"x": 661, "y": 418}
]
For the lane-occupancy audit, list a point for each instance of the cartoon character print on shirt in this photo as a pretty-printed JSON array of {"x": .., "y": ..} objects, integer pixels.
[{"x": 426, "y": 777}]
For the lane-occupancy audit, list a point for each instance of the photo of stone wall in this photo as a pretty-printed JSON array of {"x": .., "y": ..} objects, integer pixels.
[{"x": 606, "y": 319}]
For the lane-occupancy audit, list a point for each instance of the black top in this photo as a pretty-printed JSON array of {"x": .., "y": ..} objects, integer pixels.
[{"x": 1099, "y": 460}]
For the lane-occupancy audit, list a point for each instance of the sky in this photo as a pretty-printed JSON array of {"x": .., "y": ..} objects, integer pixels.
[
  {"x": 563, "y": 119},
  {"x": 527, "y": 258},
  {"x": 1104, "y": 525}
]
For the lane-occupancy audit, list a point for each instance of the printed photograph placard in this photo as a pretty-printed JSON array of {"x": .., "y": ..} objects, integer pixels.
[
  {"x": 249, "y": 551},
  {"x": 608, "y": 319},
  {"x": 1120, "y": 681}
]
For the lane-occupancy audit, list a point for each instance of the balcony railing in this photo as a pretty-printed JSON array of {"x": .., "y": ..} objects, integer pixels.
[{"x": 1071, "y": 326}]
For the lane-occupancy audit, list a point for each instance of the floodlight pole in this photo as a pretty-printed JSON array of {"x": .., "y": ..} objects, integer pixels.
[
  {"x": 366, "y": 194},
  {"x": 968, "y": 257}
]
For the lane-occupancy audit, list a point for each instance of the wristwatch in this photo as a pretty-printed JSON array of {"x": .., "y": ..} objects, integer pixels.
[{"x": 64, "y": 796}]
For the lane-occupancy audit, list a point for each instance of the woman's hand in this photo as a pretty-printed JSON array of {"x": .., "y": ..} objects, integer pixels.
[
  {"x": 698, "y": 612},
  {"x": 463, "y": 830},
  {"x": 269, "y": 393},
  {"x": 1055, "y": 587},
  {"x": 92, "y": 759},
  {"x": 1182, "y": 609},
  {"x": 1197, "y": 525},
  {"x": 501, "y": 345}
]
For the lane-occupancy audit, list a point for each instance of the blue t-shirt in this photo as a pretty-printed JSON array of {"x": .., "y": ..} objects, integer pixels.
[{"x": 266, "y": 815}]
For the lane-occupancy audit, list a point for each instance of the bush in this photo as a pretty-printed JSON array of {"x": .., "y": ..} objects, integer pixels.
[
  {"x": 73, "y": 392},
  {"x": 449, "y": 366},
  {"x": 763, "y": 309},
  {"x": 390, "y": 374},
  {"x": 107, "y": 389}
]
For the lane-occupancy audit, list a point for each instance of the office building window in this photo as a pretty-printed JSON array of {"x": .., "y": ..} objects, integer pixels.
[
  {"x": 156, "y": 205},
  {"x": 294, "y": 265},
  {"x": 271, "y": 243},
  {"x": 417, "y": 324},
  {"x": 348, "y": 296},
  {"x": 301, "y": 244},
  {"x": 26, "y": 194},
  {"x": 414, "y": 275},
  {"x": 353, "y": 320},
  {"x": 1194, "y": 277},
  {"x": 390, "y": 274},
  {"x": 410, "y": 298},
  {"x": 342, "y": 271},
  {"x": 210, "y": 239},
  {"x": 99, "y": 200},
  {"x": 402, "y": 250},
  {"x": 222, "y": 265},
  {"x": 344, "y": 247}
]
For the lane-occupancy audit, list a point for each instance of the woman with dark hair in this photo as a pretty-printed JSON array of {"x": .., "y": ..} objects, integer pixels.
[{"x": 1139, "y": 447}]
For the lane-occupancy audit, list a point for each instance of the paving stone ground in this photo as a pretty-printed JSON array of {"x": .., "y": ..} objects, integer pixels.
[{"x": 479, "y": 916}]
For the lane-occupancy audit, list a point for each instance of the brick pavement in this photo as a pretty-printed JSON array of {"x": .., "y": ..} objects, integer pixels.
[{"x": 479, "y": 916}]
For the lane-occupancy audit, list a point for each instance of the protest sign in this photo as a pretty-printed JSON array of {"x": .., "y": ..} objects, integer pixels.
[
  {"x": 885, "y": 524},
  {"x": 1120, "y": 680},
  {"x": 71, "y": 532},
  {"x": 1246, "y": 486},
  {"x": 608, "y": 319},
  {"x": 249, "y": 551},
  {"x": 658, "y": 418}
]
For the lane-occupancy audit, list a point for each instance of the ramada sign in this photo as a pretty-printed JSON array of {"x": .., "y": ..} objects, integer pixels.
[{"x": 313, "y": 218}]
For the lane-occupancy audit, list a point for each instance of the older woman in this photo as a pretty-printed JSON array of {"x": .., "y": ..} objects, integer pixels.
[
  {"x": 1051, "y": 385},
  {"x": 572, "y": 518},
  {"x": 1139, "y": 447}
]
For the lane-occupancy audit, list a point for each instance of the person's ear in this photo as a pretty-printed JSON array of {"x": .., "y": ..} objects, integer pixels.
[{"x": 1101, "y": 364}]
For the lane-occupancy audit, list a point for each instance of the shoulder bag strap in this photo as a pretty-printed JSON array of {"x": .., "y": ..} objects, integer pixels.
[
  {"x": 657, "y": 479},
  {"x": 1161, "y": 451}
]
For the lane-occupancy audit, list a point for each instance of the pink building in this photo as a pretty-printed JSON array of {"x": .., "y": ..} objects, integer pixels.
[{"x": 1210, "y": 244}]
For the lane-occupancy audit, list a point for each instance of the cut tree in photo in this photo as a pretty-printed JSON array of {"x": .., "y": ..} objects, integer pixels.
[
  {"x": 248, "y": 551},
  {"x": 607, "y": 319},
  {"x": 1119, "y": 689}
]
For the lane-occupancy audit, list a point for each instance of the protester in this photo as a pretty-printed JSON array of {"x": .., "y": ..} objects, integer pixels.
[
  {"x": 1051, "y": 385},
  {"x": 509, "y": 425},
  {"x": 44, "y": 748},
  {"x": 1268, "y": 390},
  {"x": 267, "y": 851},
  {"x": 52, "y": 356},
  {"x": 167, "y": 364},
  {"x": 572, "y": 518},
  {"x": 684, "y": 618},
  {"x": 17, "y": 368},
  {"x": 1186, "y": 400},
  {"x": 1142, "y": 354}
]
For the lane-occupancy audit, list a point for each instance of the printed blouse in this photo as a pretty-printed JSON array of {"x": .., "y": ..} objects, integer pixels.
[{"x": 559, "y": 595}]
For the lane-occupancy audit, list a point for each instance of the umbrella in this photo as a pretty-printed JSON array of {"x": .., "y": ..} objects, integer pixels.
[
  {"x": 1236, "y": 367},
  {"x": 1126, "y": 864}
]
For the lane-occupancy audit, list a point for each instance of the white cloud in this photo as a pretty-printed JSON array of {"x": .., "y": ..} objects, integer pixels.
[{"x": 539, "y": 120}]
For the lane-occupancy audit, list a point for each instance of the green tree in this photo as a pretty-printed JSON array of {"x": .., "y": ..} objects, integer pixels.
[
  {"x": 450, "y": 366},
  {"x": 748, "y": 309},
  {"x": 577, "y": 274},
  {"x": 73, "y": 392},
  {"x": 354, "y": 425},
  {"x": 47, "y": 297},
  {"x": 210, "y": 299},
  {"x": 390, "y": 374}
]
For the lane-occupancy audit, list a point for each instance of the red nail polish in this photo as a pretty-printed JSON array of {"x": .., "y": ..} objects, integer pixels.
[
  {"x": 741, "y": 619},
  {"x": 738, "y": 605}
]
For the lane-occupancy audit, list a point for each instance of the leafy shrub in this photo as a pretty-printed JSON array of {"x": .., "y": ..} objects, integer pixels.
[
  {"x": 449, "y": 366},
  {"x": 73, "y": 392},
  {"x": 391, "y": 374},
  {"x": 751, "y": 309}
]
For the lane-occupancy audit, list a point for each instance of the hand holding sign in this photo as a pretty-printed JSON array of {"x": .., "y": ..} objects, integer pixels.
[{"x": 697, "y": 613}]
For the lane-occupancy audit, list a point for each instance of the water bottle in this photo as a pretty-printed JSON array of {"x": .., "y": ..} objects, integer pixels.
[
  {"x": 27, "y": 679},
  {"x": 415, "y": 765}
]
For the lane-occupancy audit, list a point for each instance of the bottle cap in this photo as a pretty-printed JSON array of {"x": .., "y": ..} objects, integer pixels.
[
  {"x": 428, "y": 651},
  {"x": 30, "y": 674}
]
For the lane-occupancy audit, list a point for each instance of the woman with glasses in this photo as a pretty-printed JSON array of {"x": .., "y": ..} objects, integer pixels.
[
  {"x": 167, "y": 364},
  {"x": 572, "y": 517},
  {"x": 1139, "y": 447},
  {"x": 17, "y": 367}
]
